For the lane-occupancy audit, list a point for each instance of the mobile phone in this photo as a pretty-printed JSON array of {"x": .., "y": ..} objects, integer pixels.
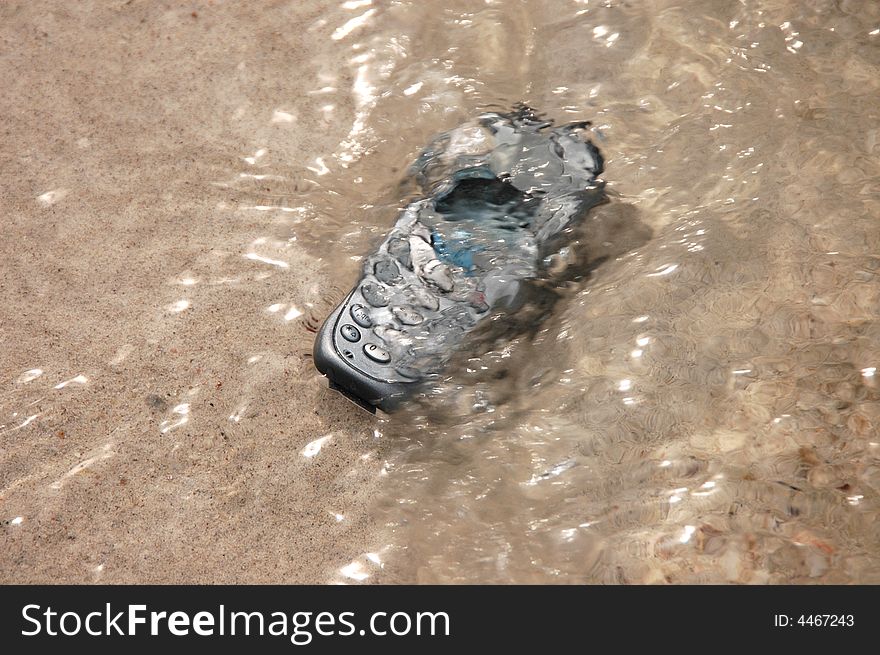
[{"x": 498, "y": 196}]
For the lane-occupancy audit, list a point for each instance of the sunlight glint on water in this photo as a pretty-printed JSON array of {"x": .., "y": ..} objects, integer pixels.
[{"x": 704, "y": 407}]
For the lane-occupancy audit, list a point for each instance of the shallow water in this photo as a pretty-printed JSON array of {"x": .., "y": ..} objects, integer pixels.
[
  {"x": 703, "y": 408},
  {"x": 188, "y": 194}
]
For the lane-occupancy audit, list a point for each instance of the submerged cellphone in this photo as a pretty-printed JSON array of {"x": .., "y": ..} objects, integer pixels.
[{"x": 497, "y": 196}]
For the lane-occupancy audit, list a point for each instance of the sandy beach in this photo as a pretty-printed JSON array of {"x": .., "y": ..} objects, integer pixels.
[
  {"x": 154, "y": 409},
  {"x": 188, "y": 189}
]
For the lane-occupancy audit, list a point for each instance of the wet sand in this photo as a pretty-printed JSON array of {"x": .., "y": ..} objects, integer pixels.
[
  {"x": 153, "y": 410},
  {"x": 188, "y": 189}
]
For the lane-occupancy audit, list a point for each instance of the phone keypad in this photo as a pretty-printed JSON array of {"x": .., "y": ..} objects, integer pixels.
[
  {"x": 407, "y": 316},
  {"x": 350, "y": 333},
  {"x": 377, "y": 353},
  {"x": 361, "y": 316},
  {"x": 375, "y": 294},
  {"x": 405, "y": 307},
  {"x": 387, "y": 271}
]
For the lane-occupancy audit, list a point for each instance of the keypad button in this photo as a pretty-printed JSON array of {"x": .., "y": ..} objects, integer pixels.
[
  {"x": 375, "y": 294},
  {"x": 438, "y": 274},
  {"x": 399, "y": 249},
  {"x": 407, "y": 316},
  {"x": 361, "y": 316},
  {"x": 376, "y": 353},
  {"x": 408, "y": 372},
  {"x": 350, "y": 332},
  {"x": 387, "y": 271},
  {"x": 423, "y": 298},
  {"x": 387, "y": 334}
]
